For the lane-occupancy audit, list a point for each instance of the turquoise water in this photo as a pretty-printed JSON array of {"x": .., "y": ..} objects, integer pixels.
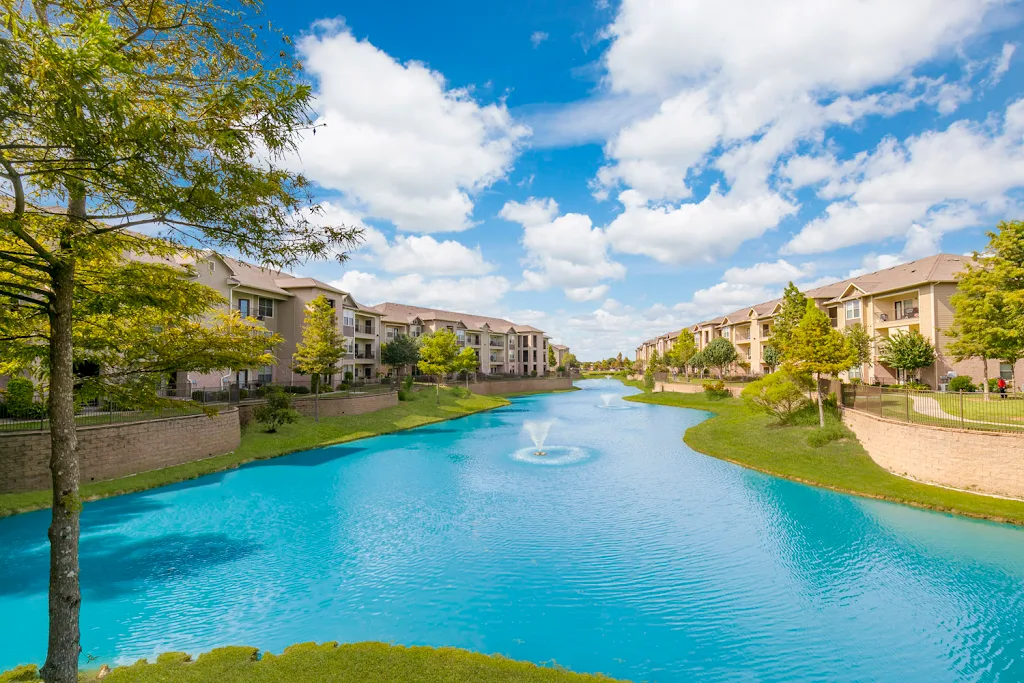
[{"x": 630, "y": 555}]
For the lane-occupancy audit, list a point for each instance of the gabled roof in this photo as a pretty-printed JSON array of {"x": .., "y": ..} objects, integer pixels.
[
  {"x": 257, "y": 277},
  {"x": 404, "y": 313}
]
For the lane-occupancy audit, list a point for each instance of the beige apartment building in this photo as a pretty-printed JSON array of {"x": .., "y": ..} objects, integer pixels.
[
  {"x": 561, "y": 351},
  {"x": 910, "y": 296},
  {"x": 503, "y": 347}
]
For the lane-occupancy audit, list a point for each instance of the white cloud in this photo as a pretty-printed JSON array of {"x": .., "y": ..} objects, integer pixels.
[
  {"x": 538, "y": 37},
  {"x": 939, "y": 181},
  {"x": 562, "y": 251},
  {"x": 480, "y": 294},
  {"x": 768, "y": 273},
  {"x": 398, "y": 141},
  {"x": 425, "y": 255}
]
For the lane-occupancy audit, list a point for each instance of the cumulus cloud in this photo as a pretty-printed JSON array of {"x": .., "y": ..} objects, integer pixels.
[
  {"x": 761, "y": 274},
  {"x": 538, "y": 37},
  {"x": 562, "y": 251},
  {"x": 938, "y": 181},
  {"x": 474, "y": 295},
  {"x": 397, "y": 140}
]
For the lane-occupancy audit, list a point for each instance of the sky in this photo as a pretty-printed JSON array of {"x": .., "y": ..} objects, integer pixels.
[{"x": 610, "y": 171}]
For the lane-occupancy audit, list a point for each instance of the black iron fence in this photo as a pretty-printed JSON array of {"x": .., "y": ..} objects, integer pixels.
[{"x": 959, "y": 410}]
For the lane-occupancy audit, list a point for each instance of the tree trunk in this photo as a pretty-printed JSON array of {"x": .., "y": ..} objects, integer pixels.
[
  {"x": 984, "y": 364},
  {"x": 821, "y": 404},
  {"x": 437, "y": 390},
  {"x": 316, "y": 399},
  {"x": 65, "y": 596}
]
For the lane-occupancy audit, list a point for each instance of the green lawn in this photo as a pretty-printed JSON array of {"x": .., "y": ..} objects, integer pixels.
[
  {"x": 258, "y": 445},
  {"x": 748, "y": 438},
  {"x": 330, "y": 663}
]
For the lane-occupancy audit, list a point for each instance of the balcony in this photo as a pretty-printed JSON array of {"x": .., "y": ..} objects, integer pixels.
[
  {"x": 496, "y": 344},
  {"x": 348, "y": 331},
  {"x": 363, "y": 331},
  {"x": 365, "y": 355}
]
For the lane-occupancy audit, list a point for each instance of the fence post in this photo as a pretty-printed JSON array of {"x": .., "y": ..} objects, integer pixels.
[{"x": 908, "y": 405}]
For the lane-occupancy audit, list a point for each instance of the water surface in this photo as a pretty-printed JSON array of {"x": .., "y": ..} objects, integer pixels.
[{"x": 635, "y": 556}]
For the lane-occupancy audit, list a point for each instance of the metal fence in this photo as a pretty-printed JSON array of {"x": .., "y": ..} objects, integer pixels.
[
  {"x": 98, "y": 412},
  {"x": 959, "y": 410}
]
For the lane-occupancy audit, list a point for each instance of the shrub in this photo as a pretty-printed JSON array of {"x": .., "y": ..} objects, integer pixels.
[
  {"x": 460, "y": 392},
  {"x": 832, "y": 431},
  {"x": 533, "y": 373},
  {"x": 276, "y": 411},
  {"x": 296, "y": 390},
  {"x": 962, "y": 383},
  {"x": 349, "y": 376},
  {"x": 993, "y": 384},
  {"x": 777, "y": 394},
  {"x": 344, "y": 386},
  {"x": 243, "y": 394},
  {"x": 403, "y": 395},
  {"x": 407, "y": 383},
  {"x": 830, "y": 402},
  {"x": 649, "y": 379},
  {"x": 19, "y": 398},
  {"x": 715, "y": 389}
]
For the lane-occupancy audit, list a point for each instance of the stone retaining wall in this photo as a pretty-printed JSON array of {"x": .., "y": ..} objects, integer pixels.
[
  {"x": 330, "y": 406},
  {"x": 117, "y": 450},
  {"x": 985, "y": 462},
  {"x": 682, "y": 388},
  {"x": 518, "y": 386}
]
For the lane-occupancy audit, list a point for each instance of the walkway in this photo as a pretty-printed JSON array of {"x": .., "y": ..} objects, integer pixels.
[{"x": 932, "y": 408}]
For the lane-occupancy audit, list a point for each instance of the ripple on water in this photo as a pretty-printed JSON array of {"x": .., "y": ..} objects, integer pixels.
[{"x": 554, "y": 455}]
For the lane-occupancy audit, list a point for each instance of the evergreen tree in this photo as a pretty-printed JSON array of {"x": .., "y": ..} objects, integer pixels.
[
  {"x": 321, "y": 348},
  {"x": 816, "y": 347},
  {"x": 551, "y": 356},
  {"x": 794, "y": 307}
]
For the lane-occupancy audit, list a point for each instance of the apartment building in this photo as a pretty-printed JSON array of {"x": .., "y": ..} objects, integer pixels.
[
  {"x": 910, "y": 296},
  {"x": 503, "y": 347},
  {"x": 561, "y": 351},
  {"x": 279, "y": 301}
]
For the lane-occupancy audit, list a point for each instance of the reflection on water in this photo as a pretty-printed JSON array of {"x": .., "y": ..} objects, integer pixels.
[{"x": 642, "y": 559}]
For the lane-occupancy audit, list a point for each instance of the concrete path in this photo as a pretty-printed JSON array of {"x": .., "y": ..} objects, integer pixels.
[{"x": 926, "y": 405}]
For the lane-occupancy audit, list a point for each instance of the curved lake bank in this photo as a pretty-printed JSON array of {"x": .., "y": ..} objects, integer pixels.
[{"x": 634, "y": 556}]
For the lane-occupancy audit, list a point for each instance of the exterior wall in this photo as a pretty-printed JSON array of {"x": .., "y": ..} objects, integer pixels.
[
  {"x": 965, "y": 459},
  {"x": 515, "y": 386},
  {"x": 118, "y": 450},
  {"x": 330, "y": 406}
]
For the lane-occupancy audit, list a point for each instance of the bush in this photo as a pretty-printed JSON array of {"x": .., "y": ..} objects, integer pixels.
[
  {"x": 777, "y": 394},
  {"x": 19, "y": 399},
  {"x": 830, "y": 402},
  {"x": 296, "y": 390},
  {"x": 407, "y": 383},
  {"x": 716, "y": 389},
  {"x": 993, "y": 384},
  {"x": 832, "y": 431},
  {"x": 919, "y": 386},
  {"x": 533, "y": 373},
  {"x": 403, "y": 395},
  {"x": 276, "y": 411},
  {"x": 349, "y": 376},
  {"x": 344, "y": 386},
  {"x": 460, "y": 392},
  {"x": 962, "y": 383}
]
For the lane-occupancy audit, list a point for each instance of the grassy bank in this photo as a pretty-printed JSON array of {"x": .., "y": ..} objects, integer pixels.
[
  {"x": 329, "y": 663},
  {"x": 258, "y": 445},
  {"x": 753, "y": 440}
]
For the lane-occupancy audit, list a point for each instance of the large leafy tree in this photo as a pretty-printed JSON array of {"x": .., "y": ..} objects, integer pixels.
[
  {"x": 321, "y": 348},
  {"x": 816, "y": 347},
  {"x": 400, "y": 352},
  {"x": 906, "y": 351},
  {"x": 988, "y": 307},
  {"x": 720, "y": 354},
  {"x": 115, "y": 115},
  {"x": 794, "y": 307},
  {"x": 772, "y": 357},
  {"x": 859, "y": 343},
  {"x": 438, "y": 351},
  {"x": 682, "y": 351},
  {"x": 467, "y": 362},
  {"x": 551, "y": 357}
]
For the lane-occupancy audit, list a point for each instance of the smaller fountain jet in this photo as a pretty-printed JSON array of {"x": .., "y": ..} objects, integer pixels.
[
  {"x": 607, "y": 398},
  {"x": 538, "y": 431}
]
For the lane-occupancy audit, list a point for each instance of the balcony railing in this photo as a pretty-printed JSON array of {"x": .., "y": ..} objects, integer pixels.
[
  {"x": 365, "y": 355},
  {"x": 496, "y": 344}
]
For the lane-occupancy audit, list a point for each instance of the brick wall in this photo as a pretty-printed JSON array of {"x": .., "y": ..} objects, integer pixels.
[
  {"x": 965, "y": 459},
  {"x": 117, "y": 450},
  {"x": 517, "y": 386},
  {"x": 331, "y": 406}
]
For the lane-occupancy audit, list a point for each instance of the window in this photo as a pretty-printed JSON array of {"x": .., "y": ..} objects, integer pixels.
[
  {"x": 265, "y": 375},
  {"x": 906, "y": 309},
  {"x": 707, "y": 336},
  {"x": 725, "y": 333},
  {"x": 348, "y": 318},
  {"x": 330, "y": 302},
  {"x": 1006, "y": 371},
  {"x": 856, "y": 373},
  {"x": 416, "y": 330},
  {"x": 243, "y": 307},
  {"x": 350, "y": 346},
  {"x": 535, "y": 355},
  {"x": 853, "y": 310},
  {"x": 390, "y": 334},
  {"x": 460, "y": 335},
  {"x": 265, "y": 308},
  {"x": 534, "y": 340},
  {"x": 766, "y": 331}
]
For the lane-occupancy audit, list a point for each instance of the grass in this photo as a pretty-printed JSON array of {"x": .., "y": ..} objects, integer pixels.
[
  {"x": 258, "y": 445},
  {"x": 331, "y": 663},
  {"x": 748, "y": 438}
]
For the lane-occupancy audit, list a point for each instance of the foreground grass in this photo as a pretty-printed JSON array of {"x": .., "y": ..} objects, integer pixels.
[
  {"x": 330, "y": 663},
  {"x": 748, "y": 438},
  {"x": 258, "y": 445}
]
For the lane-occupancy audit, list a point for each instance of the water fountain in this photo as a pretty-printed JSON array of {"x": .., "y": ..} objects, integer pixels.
[
  {"x": 607, "y": 398},
  {"x": 540, "y": 454},
  {"x": 538, "y": 431}
]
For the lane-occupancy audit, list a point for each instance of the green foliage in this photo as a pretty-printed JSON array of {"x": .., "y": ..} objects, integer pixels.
[
  {"x": 907, "y": 351},
  {"x": 648, "y": 384},
  {"x": 699, "y": 362},
  {"x": 570, "y": 361},
  {"x": 794, "y": 307},
  {"x": 779, "y": 394},
  {"x": 715, "y": 389},
  {"x": 438, "y": 351},
  {"x": 276, "y": 411},
  {"x": 858, "y": 343},
  {"x": 962, "y": 383},
  {"x": 322, "y": 345},
  {"x": 720, "y": 354},
  {"x": 551, "y": 356},
  {"x": 403, "y": 395},
  {"x": 772, "y": 357},
  {"x": 655, "y": 362},
  {"x": 461, "y": 392},
  {"x": 993, "y": 384},
  {"x": 407, "y": 383},
  {"x": 19, "y": 399},
  {"x": 832, "y": 431},
  {"x": 466, "y": 361},
  {"x": 403, "y": 350},
  {"x": 816, "y": 347}
]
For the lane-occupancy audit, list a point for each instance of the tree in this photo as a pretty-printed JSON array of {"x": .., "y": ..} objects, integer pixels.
[
  {"x": 618, "y": 360},
  {"x": 779, "y": 394},
  {"x": 276, "y": 410},
  {"x": 161, "y": 113},
  {"x": 816, "y": 347},
  {"x": 988, "y": 307},
  {"x": 794, "y": 307},
  {"x": 570, "y": 362},
  {"x": 551, "y": 356},
  {"x": 438, "y": 351},
  {"x": 720, "y": 354},
  {"x": 683, "y": 350},
  {"x": 649, "y": 379},
  {"x": 699, "y": 362},
  {"x": 772, "y": 357},
  {"x": 858, "y": 341},
  {"x": 321, "y": 348},
  {"x": 400, "y": 352},
  {"x": 468, "y": 362},
  {"x": 655, "y": 362},
  {"x": 906, "y": 351}
]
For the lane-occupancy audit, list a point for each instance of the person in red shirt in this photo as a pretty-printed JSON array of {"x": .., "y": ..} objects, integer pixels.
[{"x": 1001, "y": 384}]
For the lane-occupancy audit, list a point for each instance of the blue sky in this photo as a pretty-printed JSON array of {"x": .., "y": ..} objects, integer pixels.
[{"x": 613, "y": 170}]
